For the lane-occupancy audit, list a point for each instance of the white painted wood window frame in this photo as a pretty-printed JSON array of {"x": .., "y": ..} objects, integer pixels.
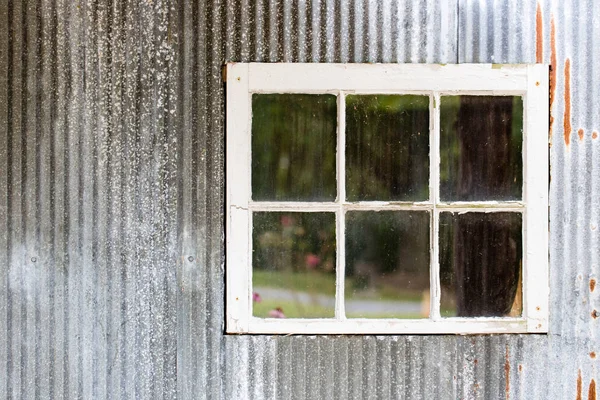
[{"x": 529, "y": 81}]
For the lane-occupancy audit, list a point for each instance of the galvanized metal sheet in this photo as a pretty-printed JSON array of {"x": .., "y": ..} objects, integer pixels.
[
  {"x": 89, "y": 200},
  {"x": 111, "y": 206}
]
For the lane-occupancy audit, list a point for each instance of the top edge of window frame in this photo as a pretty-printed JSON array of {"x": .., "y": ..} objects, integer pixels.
[{"x": 495, "y": 79}]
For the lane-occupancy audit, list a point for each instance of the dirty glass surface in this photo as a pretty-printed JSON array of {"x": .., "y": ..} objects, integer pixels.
[
  {"x": 481, "y": 148},
  {"x": 387, "y": 147},
  {"x": 480, "y": 264},
  {"x": 387, "y": 264},
  {"x": 293, "y": 264},
  {"x": 294, "y": 147}
]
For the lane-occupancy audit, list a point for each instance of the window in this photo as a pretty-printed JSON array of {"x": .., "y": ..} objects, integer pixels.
[{"x": 386, "y": 198}]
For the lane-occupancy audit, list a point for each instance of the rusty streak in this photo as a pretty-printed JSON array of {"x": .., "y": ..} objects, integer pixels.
[
  {"x": 579, "y": 385},
  {"x": 592, "y": 390},
  {"x": 507, "y": 373},
  {"x": 580, "y": 133},
  {"x": 567, "y": 114},
  {"x": 592, "y": 285},
  {"x": 539, "y": 35},
  {"x": 552, "y": 70}
]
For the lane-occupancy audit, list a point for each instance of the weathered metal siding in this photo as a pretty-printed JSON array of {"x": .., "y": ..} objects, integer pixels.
[
  {"x": 88, "y": 172},
  {"x": 111, "y": 199}
]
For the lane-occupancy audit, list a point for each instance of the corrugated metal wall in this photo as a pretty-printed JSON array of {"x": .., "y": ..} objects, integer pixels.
[{"x": 111, "y": 199}]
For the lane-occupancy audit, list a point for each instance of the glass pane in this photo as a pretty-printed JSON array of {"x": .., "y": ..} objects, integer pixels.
[
  {"x": 293, "y": 265},
  {"x": 293, "y": 147},
  {"x": 387, "y": 148},
  {"x": 481, "y": 148},
  {"x": 387, "y": 264},
  {"x": 480, "y": 264}
]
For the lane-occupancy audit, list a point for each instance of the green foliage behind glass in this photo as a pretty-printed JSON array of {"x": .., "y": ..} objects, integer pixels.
[
  {"x": 387, "y": 147},
  {"x": 294, "y": 147}
]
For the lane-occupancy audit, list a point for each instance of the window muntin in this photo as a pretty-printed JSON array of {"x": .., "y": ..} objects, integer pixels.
[{"x": 361, "y": 89}]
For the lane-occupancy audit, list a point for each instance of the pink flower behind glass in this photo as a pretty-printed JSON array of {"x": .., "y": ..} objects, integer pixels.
[
  {"x": 277, "y": 313},
  {"x": 312, "y": 260},
  {"x": 287, "y": 220},
  {"x": 256, "y": 297}
]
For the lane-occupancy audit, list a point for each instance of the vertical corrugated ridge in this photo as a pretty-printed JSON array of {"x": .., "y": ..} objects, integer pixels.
[
  {"x": 6, "y": 55},
  {"x": 61, "y": 198},
  {"x": 47, "y": 183}
]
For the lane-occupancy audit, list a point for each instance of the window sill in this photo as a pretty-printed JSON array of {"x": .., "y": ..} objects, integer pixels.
[{"x": 457, "y": 326}]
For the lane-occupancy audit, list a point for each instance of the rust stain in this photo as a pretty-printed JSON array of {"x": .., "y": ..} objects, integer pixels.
[
  {"x": 579, "y": 385},
  {"x": 594, "y": 135},
  {"x": 592, "y": 285},
  {"x": 593, "y": 354},
  {"x": 507, "y": 373},
  {"x": 520, "y": 367},
  {"x": 580, "y": 134},
  {"x": 552, "y": 69},
  {"x": 592, "y": 390},
  {"x": 539, "y": 35},
  {"x": 567, "y": 115},
  {"x": 594, "y": 314}
]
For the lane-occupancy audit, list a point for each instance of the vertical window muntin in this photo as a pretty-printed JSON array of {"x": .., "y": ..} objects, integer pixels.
[{"x": 434, "y": 205}]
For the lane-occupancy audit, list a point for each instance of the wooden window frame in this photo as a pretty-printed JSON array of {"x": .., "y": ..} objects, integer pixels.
[{"x": 529, "y": 81}]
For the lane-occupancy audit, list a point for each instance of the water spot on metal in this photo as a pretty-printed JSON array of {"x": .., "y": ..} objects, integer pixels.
[
  {"x": 507, "y": 373},
  {"x": 592, "y": 390},
  {"x": 592, "y": 285},
  {"x": 593, "y": 354},
  {"x": 580, "y": 133},
  {"x": 567, "y": 115},
  {"x": 539, "y": 35},
  {"x": 579, "y": 385},
  {"x": 552, "y": 70}
]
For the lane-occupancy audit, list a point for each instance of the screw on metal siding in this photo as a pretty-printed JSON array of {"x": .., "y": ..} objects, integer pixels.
[
  {"x": 33, "y": 259},
  {"x": 190, "y": 258}
]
